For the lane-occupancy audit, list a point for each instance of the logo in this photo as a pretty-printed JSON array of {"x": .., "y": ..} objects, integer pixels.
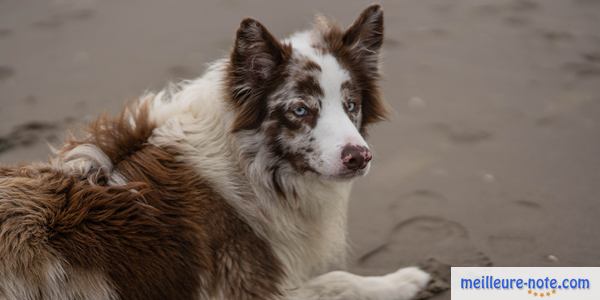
[{"x": 525, "y": 283}]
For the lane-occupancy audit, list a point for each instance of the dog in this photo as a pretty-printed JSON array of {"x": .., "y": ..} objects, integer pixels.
[{"x": 231, "y": 186}]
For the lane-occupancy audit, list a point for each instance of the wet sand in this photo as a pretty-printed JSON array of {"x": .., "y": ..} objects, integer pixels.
[{"x": 492, "y": 156}]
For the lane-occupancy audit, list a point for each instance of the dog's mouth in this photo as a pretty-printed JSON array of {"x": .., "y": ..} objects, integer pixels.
[{"x": 346, "y": 175}]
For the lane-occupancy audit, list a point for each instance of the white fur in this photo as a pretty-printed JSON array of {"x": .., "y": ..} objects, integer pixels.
[{"x": 403, "y": 284}]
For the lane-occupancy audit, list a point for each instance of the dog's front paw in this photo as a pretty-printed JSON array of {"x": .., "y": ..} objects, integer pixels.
[
  {"x": 412, "y": 275},
  {"x": 408, "y": 282}
]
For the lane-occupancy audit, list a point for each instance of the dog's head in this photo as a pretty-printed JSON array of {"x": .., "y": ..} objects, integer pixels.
[{"x": 312, "y": 96}]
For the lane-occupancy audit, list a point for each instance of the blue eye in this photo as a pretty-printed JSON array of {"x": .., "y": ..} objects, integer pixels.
[
  {"x": 351, "y": 106},
  {"x": 300, "y": 111}
]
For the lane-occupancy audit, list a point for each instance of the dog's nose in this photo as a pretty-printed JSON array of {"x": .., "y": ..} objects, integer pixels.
[{"x": 356, "y": 157}]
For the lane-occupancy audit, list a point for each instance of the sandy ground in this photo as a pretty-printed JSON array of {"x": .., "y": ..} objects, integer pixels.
[{"x": 492, "y": 156}]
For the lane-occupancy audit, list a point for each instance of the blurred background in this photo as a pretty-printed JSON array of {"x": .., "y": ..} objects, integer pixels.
[{"x": 492, "y": 156}]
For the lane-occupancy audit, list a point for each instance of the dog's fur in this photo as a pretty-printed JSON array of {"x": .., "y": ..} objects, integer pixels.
[{"x": 231, "y": 186}]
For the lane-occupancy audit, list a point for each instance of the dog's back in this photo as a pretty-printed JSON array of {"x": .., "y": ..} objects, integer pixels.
[{"x": 164, "y": 235}]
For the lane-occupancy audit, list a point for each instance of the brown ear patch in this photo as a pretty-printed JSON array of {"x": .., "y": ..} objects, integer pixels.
[
  {"x": 366, "y": 31},
  {"x": 257, "y": 67}
]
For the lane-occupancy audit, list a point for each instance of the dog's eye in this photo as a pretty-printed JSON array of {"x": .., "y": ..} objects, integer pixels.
[
  {"x": 301, "y": 111},
  {"x": 351, "y": 106}
]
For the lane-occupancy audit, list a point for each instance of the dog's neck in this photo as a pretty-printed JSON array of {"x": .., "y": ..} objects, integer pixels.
[{"x": 303, "y": 217}]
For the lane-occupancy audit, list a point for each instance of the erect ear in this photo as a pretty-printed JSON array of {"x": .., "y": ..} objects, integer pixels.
[
  {"x": 256, "y": 61},
  {"x": 365, "y": 36},
  {"x": 363, "y": 41}
]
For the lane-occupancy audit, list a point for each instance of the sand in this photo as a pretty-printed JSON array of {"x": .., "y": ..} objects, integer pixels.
[{"x": 492, "y": 156}]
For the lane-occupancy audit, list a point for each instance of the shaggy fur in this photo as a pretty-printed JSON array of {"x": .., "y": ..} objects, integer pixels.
[
  {"x": 231, "y": 186},
  {"x": 164, "y": 235}
]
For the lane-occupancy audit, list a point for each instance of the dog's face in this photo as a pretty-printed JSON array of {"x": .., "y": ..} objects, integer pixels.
[{"x": 312, "y": 96}]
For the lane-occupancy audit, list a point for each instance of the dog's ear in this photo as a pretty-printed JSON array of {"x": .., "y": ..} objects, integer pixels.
[
  {"x": 365, "y": 36},
  {"x": 256, "y": 53},
  {"x": 361, "y": 44},
  {"x": 256, "y": 61}
]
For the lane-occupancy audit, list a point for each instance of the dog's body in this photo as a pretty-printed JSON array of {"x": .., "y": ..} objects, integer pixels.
[{"x": 232, "y": 186}]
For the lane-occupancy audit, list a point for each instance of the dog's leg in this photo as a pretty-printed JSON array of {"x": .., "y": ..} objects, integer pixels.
[{"x": 403, "y": 284}]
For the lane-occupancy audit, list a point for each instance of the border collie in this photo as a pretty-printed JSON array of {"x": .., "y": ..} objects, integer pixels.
[{"x": 231, "y": 186}]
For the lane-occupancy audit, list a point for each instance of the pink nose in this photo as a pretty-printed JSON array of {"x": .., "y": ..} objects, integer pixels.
[{"x": 356, "y": 157}]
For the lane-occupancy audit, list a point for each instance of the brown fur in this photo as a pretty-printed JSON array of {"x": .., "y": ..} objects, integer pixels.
[
  {"x": 115, "y": 136},
  {"x": 352, "y": 94},
  {"x": 311, "y": 66},
  {"x": 258, "y": 64},
  {"x": 309, "y": 86},
  {"x": 164, "y": 235}
]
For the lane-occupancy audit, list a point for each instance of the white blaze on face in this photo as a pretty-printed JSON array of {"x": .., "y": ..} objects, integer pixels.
[{"x": 334, "y": 129}]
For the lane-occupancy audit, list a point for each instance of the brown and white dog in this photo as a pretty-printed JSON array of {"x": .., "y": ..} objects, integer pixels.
[{"x": 231, "y": 186}]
